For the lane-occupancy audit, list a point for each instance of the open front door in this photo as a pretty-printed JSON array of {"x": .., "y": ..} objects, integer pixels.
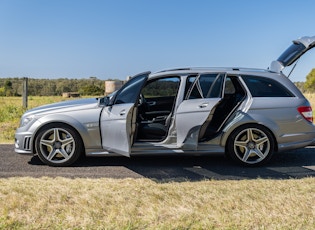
[{"x": 118, "y": 119}]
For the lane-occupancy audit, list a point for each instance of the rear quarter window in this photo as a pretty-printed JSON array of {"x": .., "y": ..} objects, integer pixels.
[{"x": 265, "y": 87}]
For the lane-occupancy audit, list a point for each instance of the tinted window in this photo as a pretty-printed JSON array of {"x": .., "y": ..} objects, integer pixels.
[
  {"x": 291, "y": 54},
  {"x": 216, "y": 88},
  {"x": 229, "y": 86},
  {"x": 206, "y": 86},
  {"x": 164, "y": 87},
  {"x": 189, "y": 82},
  {"x": 265, "y": 87},
  {"x": 129, "y": 93}
]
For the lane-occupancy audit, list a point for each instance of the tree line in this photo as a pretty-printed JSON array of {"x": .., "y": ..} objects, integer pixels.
[
  {"x": 91, "y": 86},
  {"x": 52, "y": 87}
]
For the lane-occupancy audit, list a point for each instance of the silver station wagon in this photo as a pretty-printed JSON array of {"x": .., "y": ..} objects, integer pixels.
[{"x": 248, "y": 114}]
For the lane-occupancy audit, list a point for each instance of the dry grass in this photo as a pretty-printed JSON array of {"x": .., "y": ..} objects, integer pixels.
[
  {"x": 311, "y": 98},
  {"x": 60, "y": 203},
  {"x": 11, "y": 111}
]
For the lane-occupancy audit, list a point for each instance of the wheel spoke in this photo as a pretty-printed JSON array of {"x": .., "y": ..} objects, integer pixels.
[
  {"x": 259, "y": 153},
  {"x": 260, "y": 141},
  {"x": 246, "y": 155},
  {"x": 241, "y": 143},
  {"x": 52, "y": 154},
  {"x": 56, "y": 135},
  {"x": 67, "y": 141},
  {"x": 49, "y": 143},
  {"x": 64, "y": 153},
  {"x": 250, "y": 135}
]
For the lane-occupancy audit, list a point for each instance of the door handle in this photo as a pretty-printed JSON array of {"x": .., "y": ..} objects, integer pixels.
[
  {"x": 151, "y": 103},
  {"x": 122, "y": 113},
  {"x": 203, "y": 105}
]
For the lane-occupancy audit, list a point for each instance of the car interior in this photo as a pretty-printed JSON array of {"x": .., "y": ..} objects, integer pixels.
[
  {"x": 158, "y": 97},
  {"x": 156, "y": 103},
  {"x": 233, "y": 95}
]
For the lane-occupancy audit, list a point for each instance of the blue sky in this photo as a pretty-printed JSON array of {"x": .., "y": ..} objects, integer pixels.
[{"x": 114, "y": 39}]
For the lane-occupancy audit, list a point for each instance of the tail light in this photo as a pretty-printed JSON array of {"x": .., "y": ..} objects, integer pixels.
[{"x": 306, "y": 112}]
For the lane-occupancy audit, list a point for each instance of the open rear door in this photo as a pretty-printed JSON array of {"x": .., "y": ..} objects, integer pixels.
[
  {"x": 190, "y": 116},
  {"x": 118, "y": 119},
  {"x": 197, "y": 108}
]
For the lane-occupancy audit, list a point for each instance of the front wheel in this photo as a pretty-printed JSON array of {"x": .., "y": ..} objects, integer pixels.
[
  {"x": 58, "y": 145},
  {"x": 250, "y": 145}
]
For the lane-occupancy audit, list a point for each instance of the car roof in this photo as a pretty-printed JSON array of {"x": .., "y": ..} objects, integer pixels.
[{"x": 198, "y": 70}]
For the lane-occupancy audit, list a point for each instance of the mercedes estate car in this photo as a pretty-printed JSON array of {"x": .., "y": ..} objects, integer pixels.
[{"x": 248, "y": 114}]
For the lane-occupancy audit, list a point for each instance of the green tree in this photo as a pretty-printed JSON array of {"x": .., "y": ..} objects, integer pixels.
[
  {"x": 301, "y": 86},
  {"x": 91, "y": 90},
  {"x": 310, "y": 81},
  {"x": 8, "y": 88},
  {"x": 2, "y": 91}
]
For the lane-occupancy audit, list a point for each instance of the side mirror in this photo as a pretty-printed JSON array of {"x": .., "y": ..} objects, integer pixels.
[{"x": 104, "y": 101}]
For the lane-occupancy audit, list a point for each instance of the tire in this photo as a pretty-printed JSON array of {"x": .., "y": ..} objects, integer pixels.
[
  {"x": 58, "y": 145},
  {"x": 250, "y": 145}
]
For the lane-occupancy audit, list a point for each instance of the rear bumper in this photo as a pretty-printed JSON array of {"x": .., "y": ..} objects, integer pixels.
[{"x": 296, "y": 141}]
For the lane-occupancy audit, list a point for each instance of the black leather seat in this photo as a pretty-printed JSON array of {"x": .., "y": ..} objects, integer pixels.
[{"x": 155, "y": 131}]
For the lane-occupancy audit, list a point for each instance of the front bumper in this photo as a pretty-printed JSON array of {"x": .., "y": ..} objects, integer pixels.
[{"x": 23, "y": 143}]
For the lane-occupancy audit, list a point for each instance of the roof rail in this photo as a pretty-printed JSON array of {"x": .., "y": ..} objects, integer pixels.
[
  {"x": 176, "y": 69},
  {"x": 217, "y": 68}
]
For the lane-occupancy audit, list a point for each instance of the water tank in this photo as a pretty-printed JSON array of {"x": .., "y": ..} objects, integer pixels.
[{"x": 111, "y": 86}]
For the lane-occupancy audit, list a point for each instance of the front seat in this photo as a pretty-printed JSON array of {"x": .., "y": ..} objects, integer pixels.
[{"x": 155, "y": 131}]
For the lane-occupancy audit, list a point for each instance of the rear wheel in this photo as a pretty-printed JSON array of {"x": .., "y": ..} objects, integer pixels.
[
  {"x": 250, "y": 145},
  {"x": 58, "y": 145}
]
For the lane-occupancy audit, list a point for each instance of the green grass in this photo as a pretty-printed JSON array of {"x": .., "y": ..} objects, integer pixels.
[{"x": 59, "y": 203}]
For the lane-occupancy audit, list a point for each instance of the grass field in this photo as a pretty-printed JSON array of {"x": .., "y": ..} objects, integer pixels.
[
  {"x": 11, "y": 110},
  {"x": 61, "y": 203}
]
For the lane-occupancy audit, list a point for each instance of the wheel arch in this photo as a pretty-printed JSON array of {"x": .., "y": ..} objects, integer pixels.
[
  {"x": 61, "y": 123},
  {"x": 257, "y": 124},
  {"x": 243, "y": 119}
]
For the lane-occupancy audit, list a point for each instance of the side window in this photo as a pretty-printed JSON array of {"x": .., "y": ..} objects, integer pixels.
[
  {"x": 163, "y": 87},
  {"x": 229, "y": 86},
  {"x": 265, "y": 87},
  {"x": 129, "y": 93},
  {"x": 206, "y": 86},
  {"x": 189, "y": 82}
]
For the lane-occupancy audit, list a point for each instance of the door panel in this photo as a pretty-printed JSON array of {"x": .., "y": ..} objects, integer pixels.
[
  {"x": 118, "y": 119},
  {"x": 190, "y": 116},
  {"x": 116, "y": 131}
]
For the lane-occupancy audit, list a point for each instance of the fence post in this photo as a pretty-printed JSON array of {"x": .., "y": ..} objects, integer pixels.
[{"x": 25, "y": 92}]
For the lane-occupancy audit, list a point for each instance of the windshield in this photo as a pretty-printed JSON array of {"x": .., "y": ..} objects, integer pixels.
[{"x": 292, "y": 54}]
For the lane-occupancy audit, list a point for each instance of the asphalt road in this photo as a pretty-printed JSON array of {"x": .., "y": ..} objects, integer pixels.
[{"x": 293, "y": 164}]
